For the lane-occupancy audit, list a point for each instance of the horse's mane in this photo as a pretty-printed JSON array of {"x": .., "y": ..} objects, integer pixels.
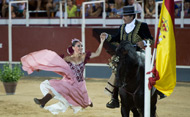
[
  {"x": 127, "y": 50},
  {"x": 130, "y": 61}
]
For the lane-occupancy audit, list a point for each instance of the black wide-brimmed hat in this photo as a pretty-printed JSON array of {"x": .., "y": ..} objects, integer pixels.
[{"x": 128, "y": 10}]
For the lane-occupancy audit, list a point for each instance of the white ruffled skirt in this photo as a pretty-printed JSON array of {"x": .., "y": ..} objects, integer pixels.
[{"x": 62, "y": 105}]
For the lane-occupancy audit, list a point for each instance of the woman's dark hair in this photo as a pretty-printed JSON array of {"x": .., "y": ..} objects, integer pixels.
[{"x": 73, "y": 43}]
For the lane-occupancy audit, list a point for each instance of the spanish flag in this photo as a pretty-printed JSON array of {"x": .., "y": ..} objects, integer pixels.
[{"x": 166, "y": 50}]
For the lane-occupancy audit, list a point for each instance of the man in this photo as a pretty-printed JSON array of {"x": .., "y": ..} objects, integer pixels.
[{"x": 135, "y": 32}]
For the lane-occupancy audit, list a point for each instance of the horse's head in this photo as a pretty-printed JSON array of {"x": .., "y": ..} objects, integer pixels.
[{"x": 128, "y": 64}]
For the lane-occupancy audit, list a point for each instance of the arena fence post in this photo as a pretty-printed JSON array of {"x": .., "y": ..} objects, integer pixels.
[
  {"x": 10, "y": 28},
  {"x": 146, "y": 89},
  {"x": 83, "y": 22}
]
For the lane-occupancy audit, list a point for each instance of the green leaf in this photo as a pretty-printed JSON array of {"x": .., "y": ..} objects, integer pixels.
[{"x": 10, "y": 75}]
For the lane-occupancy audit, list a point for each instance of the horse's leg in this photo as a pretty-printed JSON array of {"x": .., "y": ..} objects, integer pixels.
[
  {"x": 141, "y": 111},
  {"x": 153, "y": 105},
  {"x": 125, "y": 109},
  {"x": 135, "y": 112}
]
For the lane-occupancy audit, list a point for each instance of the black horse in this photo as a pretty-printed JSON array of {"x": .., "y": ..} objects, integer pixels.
[{"x": 130, "y": 80}]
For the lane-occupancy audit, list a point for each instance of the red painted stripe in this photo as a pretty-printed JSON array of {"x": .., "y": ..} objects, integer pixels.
[{"x": 170, "y": 7}]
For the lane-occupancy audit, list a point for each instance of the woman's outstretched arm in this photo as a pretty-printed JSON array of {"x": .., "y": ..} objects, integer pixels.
[{"x": 99, "y": 50}]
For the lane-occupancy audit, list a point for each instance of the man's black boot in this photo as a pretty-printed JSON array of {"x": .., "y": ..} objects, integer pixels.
[
  {"x": 114, "y": 102},
  {"x": 161, "y": 94}
]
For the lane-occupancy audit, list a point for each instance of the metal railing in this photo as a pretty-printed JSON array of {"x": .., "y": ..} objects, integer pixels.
[
  {"x": 83, "y": 19},
  {"x": 83, "y": 22},
  {"x": 142, "y": 12},
  {"x": 10, "y": 26},
  {"x": 61, "y": 13},
  {"x": 105, "y": 21}
]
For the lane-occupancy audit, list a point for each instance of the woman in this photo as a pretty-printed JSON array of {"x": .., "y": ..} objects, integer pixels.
[
  {"x": 71, "y": 8},
  {"x": 150, "y": 8},
  {"x": 71, "y": 89},
  {"x": 117, "y": 7}
]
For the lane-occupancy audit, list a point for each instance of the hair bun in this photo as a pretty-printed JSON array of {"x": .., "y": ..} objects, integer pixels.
[{"x": 70, "y": 50}]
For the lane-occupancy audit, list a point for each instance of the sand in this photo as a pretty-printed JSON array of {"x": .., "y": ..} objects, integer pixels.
[{"x": 21, "y": 104}]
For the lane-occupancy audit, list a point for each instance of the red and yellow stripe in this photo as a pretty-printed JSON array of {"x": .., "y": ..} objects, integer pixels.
[{"x": 166, "y": 50}]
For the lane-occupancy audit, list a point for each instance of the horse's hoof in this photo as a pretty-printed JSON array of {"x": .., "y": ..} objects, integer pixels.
[{"x": 113, "y": 103}]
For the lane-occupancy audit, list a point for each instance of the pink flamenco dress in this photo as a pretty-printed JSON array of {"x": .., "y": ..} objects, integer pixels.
[{"x": 71, "y": 90}]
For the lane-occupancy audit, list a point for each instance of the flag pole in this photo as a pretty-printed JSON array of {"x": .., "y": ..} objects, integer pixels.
[
  {"x": 155, "y": 48},
  {"x": 148, "y": 67}
]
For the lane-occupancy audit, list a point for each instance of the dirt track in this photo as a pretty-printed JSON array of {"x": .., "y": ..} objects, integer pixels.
[{"x": 21, "y": 104}]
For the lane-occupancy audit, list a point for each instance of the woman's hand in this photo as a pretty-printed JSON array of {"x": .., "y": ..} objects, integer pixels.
[
  {"x": 103, "y": 35},
  {"x": 98, "y": 51},
  {"x": 102, "y": 39}
]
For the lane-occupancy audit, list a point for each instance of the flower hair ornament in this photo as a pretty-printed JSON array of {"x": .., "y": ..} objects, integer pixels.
[{"x": 75, "y": 39}]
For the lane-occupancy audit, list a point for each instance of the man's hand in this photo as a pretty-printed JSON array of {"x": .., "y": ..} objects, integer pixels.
[{"x": 140, "y": 44}]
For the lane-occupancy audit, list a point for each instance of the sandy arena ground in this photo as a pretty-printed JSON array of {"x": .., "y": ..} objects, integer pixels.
[{"x": 21, "y": 104}]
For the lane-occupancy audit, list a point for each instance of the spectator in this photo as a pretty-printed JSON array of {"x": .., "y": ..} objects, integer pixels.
[
  {"x": 150, "y": 8},
  {"x": 135, "y": 4},
  {"x": 87, "y": 9},
  {"x": 71, "y": 8},
  {"x": 58, "y": 11},
  {"x": 177, "y": 9},
  {"x": 187, "y": 8},
  {"x": 1, "y": 1},
  {"x": 108, "y": 8},
  {"x": 5, "y": 6},
  {"x": 21, "y": 11},
  {"x": 41, "y": 4},
  {"x": 96, "y": 10},
  {"x": 117, "y": 7},
  {"x": 111, "y": 1},
  {"x": 79, "y": 5},
  {"x": 37, "y": 4},
  {"x": 51, "y": 7},
  {"x": 32, "y": 4}
]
